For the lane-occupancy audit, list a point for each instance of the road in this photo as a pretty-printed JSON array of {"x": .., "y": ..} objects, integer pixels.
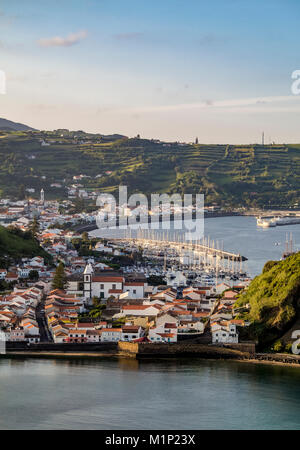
[{"x": 41, "y": 320}]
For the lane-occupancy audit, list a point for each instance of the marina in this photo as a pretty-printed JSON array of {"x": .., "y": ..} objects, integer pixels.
[
  {"x": 239, "y": 234},
  {"x": 182, "y": 262}
]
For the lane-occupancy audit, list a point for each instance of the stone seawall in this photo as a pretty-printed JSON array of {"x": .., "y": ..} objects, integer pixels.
[
  {"x": 71, "y": 347},
  {"x": 149, "y": 350},
  {"x": 247, "y": 347}
]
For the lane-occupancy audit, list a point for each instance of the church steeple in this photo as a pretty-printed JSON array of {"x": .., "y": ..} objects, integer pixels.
[
  {"x": 42, "y": 196},
  {"x": 87, "y": 281}
]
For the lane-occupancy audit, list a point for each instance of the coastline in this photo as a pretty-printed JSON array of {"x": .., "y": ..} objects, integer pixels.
[
  {"x": 93, "y": 226},
  {"x": 123, "y": 355}
]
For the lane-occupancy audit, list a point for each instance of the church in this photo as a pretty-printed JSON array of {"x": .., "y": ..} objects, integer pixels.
[{"x": 106, "y": 283}]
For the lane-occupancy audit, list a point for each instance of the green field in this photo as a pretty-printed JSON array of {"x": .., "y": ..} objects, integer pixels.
[
  {"x": 15, "y": 244},
  {"x": 231, "y": 175}
]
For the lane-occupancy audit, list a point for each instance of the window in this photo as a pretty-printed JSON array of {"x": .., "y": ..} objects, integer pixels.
[
  {"x": 114, "y": 286},
  {"x": 134, "y": 291},
  {"x": 101, "y": 286}
]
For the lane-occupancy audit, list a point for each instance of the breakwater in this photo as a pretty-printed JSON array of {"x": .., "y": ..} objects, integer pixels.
[
  {"x": 110, "y": 347},
  {"x": 186, "y": 349}
]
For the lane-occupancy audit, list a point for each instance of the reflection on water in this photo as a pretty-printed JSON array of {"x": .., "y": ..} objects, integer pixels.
[{"x": 174, "y": 394}]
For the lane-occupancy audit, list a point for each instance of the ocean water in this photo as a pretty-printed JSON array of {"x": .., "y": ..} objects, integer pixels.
[
  {"x": 127, "y": 394},
  {"x": 240, "y": 234}
]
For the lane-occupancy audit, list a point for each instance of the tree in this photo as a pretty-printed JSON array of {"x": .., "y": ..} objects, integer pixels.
[
  {"x": 21, "y": 192},
  {"x": 60, "y": 277},
  {"x": 96, "y": 301},
  {"x": 33, "y": 275},
  {"x": 85, "y": 236},
  {"x": 34, "y": 227}
]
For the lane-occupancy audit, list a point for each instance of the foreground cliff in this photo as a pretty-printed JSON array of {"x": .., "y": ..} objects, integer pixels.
[{"x": 272, "y": 302}]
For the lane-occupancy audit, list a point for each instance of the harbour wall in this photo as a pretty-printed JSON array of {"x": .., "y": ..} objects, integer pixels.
[
  {"x": 139, "y": 351},
  {"x": 69, "y": 347},
  {"x": 163, "y": 350}
]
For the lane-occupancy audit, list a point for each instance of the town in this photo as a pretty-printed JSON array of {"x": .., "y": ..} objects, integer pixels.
[{"x": 99, "y": 290}]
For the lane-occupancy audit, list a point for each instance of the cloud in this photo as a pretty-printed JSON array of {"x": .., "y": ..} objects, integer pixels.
[
  {"x": 57, "y": 41},
  {"x": 243, "y": 104}
]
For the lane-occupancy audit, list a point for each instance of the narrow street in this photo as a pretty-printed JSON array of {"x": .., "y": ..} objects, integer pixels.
[{"x": 41, "y": 320}]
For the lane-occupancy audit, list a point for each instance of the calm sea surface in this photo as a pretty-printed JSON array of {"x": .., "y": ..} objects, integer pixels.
[
  {"x": 127, "y": 394},
  {"x": 241, "y": 235}
]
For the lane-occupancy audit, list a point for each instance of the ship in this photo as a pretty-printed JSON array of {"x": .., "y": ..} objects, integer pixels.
[
  {"x": 266, "y": 222},
  {"x": 274, "y": 221}
]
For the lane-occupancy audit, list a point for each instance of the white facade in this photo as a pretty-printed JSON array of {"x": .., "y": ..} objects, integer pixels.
[
  {"x": 111, "y": 334},
  {"x": 225, "y": 335},
  {"x": 166, "y": 333},
  {"x": 130, "y": 333},
  {"x": 135, "y": 290}
]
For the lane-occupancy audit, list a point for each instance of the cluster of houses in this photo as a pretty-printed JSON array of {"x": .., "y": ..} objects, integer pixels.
[
  {"x": 133, "y": 309},
  {"x": 224, "y": 327},
  {"x": 18, "y": 319}
]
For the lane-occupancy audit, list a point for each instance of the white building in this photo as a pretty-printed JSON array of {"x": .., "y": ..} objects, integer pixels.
[
  {"x": 135, "y": 289},
  {"x": 131, "y": 332},
  {"x": 166, "y": 332},
  {"x": 111, "y": 334},
  {"x": 140, "y": 310},
  {"x": 225, "y": 334}
]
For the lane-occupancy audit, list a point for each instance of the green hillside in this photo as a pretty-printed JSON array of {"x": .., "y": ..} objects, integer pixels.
[
  {"x": 274, "y": 299},
  {"x": 232, "y": 175},
  {"x": 15, "y": 244}
]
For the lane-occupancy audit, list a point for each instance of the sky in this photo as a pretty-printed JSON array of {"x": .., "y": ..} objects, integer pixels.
[{"x": 165, "y": 69}]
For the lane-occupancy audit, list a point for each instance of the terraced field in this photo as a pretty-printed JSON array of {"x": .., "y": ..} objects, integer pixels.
[{"x": 230, "y": 175}]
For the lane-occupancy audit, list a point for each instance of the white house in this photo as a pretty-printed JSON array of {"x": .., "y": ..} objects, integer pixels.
[
  {"x": 140, "y": 310},
  {"x": 131, "y": 332},
  {"x": 3, "y": 273},
  {"x": 136, "y": 289},
  {"x": 221, "y": 287},
  {"x": 166, "y": 332},
  {"x": 30, "y": 327},
  {"x": 110, "y": 334},
  {"x": 225, "y": 334},
  {"x": 16, "y": 334}
]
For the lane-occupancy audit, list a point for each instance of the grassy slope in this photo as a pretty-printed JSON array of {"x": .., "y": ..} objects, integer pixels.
[
  {"x": 233, "y": 174},
  {"x": 15, "y": 246},
  {"x": 274, "y": 297}
]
